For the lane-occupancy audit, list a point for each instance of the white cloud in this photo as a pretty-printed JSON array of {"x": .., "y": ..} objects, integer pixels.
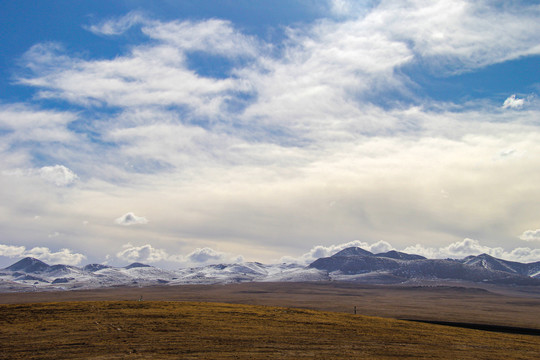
[
  {"x": 456, "y": 35},
  {"x": 11, "y": 250},
  {"x": 523, "y": 254},
  {"x": 130, "y": 219},
  {"x": 23, "y": 123},
  {"x": 64, "y": 256},
  {"x": 58, "y": 175},
  {"x": 200, "y": 256},
  {"x": 210, "y": 256},
  {"x": 148, "y": 75},
  {"x": 530, "y": 235},
  {"x": 144, "y": 253},
  {"x": 466, "y": 247},
  {"x": 513, "y": 103},
  {"x": 212, "y": 36},
  {"x": 457, "y": 250}
]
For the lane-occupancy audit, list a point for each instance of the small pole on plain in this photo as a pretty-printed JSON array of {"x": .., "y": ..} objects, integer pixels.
[{"x": 355, "y": 310}]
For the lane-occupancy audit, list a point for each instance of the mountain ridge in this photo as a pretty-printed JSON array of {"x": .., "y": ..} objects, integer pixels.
[
  {"x": 406, "y": 267},
  {"x": 350, "y": 264}
]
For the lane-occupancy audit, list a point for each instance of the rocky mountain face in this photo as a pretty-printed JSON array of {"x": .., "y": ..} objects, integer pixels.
[{"x": 351, "y": 264}]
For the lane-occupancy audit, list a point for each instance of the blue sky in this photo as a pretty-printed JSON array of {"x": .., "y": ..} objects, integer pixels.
[{"x": 179, "y": 133}]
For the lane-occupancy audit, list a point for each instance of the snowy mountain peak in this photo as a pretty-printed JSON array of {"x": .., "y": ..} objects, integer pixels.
[
  {"x": 492, "y": 263},
  {"x": 353, "y": 251},
  {"x": 29, "y": 265}
]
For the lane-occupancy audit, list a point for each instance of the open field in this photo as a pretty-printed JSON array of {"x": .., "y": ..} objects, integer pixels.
[
  {"x": 192, "y": 330},
  {"x": 297, "y": 320},
  {"x": 501, "y": 306}
]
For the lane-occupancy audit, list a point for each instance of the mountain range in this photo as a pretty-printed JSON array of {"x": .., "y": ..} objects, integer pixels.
[
  {"x": 351, "y": 264},
  {"x": 358, "y": 264}
]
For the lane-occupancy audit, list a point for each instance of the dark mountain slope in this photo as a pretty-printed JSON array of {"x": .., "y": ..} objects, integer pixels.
[{"x": 29, "y": 265}]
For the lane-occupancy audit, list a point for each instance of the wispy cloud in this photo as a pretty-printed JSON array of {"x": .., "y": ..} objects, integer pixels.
[
  {"x": 118, "y": 26},
  {"x": 22, "y": 123},
  {"x": 459, "y": 35}
]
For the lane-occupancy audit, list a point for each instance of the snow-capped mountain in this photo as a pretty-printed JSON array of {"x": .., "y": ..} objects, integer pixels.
[
  {"x": 359, "y": 264},
  {"x": 489, "y": 262},
  {"x": 351, "y": 264},
  {"x": 29, "y": 265},
  {"x": 30, "y": 273}
]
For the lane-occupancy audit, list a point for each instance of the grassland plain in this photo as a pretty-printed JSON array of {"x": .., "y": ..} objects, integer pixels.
[
  {"x": 197, "y": 330},
  {"x": 473, "y": 303}
]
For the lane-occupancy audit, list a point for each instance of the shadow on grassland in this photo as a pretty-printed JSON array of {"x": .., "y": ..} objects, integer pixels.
[{"x": 484, "y": 327}]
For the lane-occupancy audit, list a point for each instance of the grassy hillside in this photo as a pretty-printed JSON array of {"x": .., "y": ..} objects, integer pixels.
[{"x": 190, "y": 330}]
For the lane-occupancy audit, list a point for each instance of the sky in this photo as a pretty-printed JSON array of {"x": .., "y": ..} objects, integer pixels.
[{"x": 183, "y": 133}]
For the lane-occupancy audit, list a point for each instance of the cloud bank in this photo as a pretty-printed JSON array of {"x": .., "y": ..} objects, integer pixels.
[
  {"x": 200, "y": 256},
  {"x": 468, "y": 247},
  {"x": 207, "y": 256}
]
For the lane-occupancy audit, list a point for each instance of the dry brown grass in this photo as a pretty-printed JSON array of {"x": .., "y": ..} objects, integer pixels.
[
  {"x": 191, "y": 330},
  {"x": 498, "y": 306}
]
